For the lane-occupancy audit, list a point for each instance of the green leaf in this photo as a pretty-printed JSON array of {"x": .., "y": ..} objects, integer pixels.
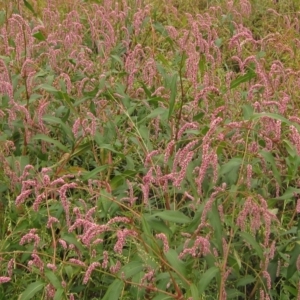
[
  {"x": 58, "y": 294},
  {"x": 132, "y": 268},
  {"x": 156, "y": 112},
  {"x": 247, "y": 111},
  {"x": 29, "y": 6},
  {"x": 270, "y": 159},
  {"x": 215, "y": 221},
  {"x": 241, "y": 79},
  {"x": 198, "y": 116},
  {"x": 206, "y": 278},
  {"x": 48, "y": 88},
  {"x": 48, "y": 139},
  {"x": 70, "y": 239},
  {"x": 114, "y": 290},
  {"x": 177, "y": 264},
  {"x": 230, "y": 170},
  {"x": 39, "y": 36},
  {"x": 158, "y": 225},
  {"x": 247, "y": 279},
  {"x": 289, "y": 193},
  {"x": 159, "y": 27},
  {"x": 173, "y": 88},
  {"x": 31, "y": 290},
  {"x": 53, "y": 279},
  {"x": 94, "y": 172},
  {"x": 173, "y": 216},
  {"x": 194, "y": 291},
  {"x": 98, "y": 140},
  {"x": 218, "y": 42},
  {"x": 272, "y": 116},
  {"x": 252, "y": 242},
  {"x": 292, "y": 268}
]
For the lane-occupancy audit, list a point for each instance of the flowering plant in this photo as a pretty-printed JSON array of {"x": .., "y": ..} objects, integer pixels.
[{"x": 149, "y": 151}]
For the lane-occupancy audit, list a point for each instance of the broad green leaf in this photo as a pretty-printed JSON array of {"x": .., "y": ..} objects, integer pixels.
[
  {"x": 132, "y": 268},
  {"x": 198, "y": 116},
  {"x": 230, "y": 170},
  {"x": 206, "y": 278},
  {"x": 48, "y": 88},
  {"x": 31, "y": 290},
  {"x": 39, "y": 36},
  {"x": 157, "y": 112},
  {"x": 256, "y": 116},
  {"x": 53, "y": 279},
  {"x": 241, "y": 79},
  {"x": 215, "y": 221},
  {"x": 147, "y": 233},
  {"x": 70, "y": 239},
  {"x": 252, "y": 242},
  {"x": 234, "y": 294},
  {"x": 247, "y": 111},
  {"x": 194, "y": 291},
  {"x": 289, "y": 193},
  {"x": 247, "y": 279},
  {"x": 158, "y": 225},
  {"x": 173, "y": 88},
  {"x": 118, "y": 59},
  {"x": 29, "y": 6},
  {"x": 55, "y": 120},
  {"x": 161, "y": 29},
  {"x": 237, "y": 258},
  {"x": 173, "y": 216},
  {"x": 292, "y": 268},
  {"x": 177, "y": 264},
  {"x": 58, "y": 294},
  {"x": 94, "y": 172},
  {"x": 107, "y": 146},
  {"x": 69, "y": 271},
  {"x": 114, "y": 290},
  {"x": 270, "y": 159},
  {"x": 48, "y": 139},
  {"x": 218, "y": 42}
]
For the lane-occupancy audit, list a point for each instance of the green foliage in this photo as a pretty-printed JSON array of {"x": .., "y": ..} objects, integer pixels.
[{"x": 149, "y": 152}]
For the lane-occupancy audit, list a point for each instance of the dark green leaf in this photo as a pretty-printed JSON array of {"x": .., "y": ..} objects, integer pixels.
[
  {"x": 252, "y": 242},
  {"x": 256, "y": 116},
  {"x": 53, "y": 279},
  {"x": 194, "y": 291},
  {"x": 94, "y": 172},
  {"x": 29, "y": 6},
  {"x": 177, "y": 264},
  {"x": 292, "y": 268},
  {"x": 48, "y": 139},
  {"x": 114, "y": 290},
  {"x": 241, "y": 79},
  {"x": 39, "y": 36},
  {"x": 58, "y": 294},
  {"x": 132, "y": 268},
  {"x": 31, "y": 290},
  {"x": 270, "y": 159},
  {"x": 206, "y": 278},
  {"x": 156, "y": 112},
  {"x": 247, "y": 279},
  {"x": 173, "y": 88},
  {"x": 48, "y": 88},
  {"x": 173, "y": 216}
]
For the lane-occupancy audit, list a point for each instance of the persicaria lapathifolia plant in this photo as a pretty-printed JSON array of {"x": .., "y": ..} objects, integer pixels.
[{"x": 149, "y": 150}]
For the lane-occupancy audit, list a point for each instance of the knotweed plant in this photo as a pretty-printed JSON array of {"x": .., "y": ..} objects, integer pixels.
[{"x": 149, "y": 150}]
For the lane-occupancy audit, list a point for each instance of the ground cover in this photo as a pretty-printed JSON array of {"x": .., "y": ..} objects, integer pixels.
[{"x": 149, "y": 149}]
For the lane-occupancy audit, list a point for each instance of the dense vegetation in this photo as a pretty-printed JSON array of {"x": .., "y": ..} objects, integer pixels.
[{"x": 149, "y": 150}]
